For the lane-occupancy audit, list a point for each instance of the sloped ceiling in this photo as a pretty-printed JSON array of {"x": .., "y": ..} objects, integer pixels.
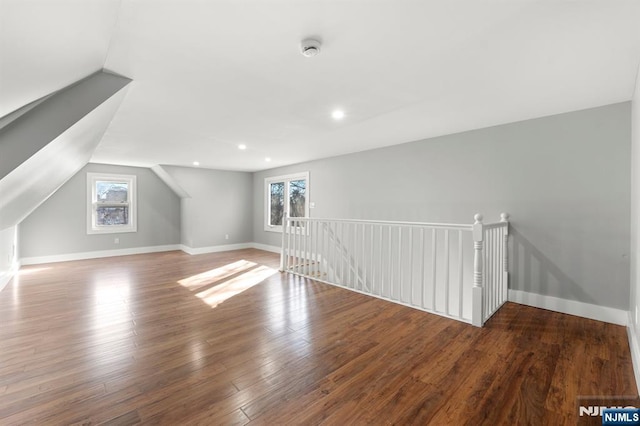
[
  {"x": 209, "y": 75},
  {"x": 44, "y": 147}
]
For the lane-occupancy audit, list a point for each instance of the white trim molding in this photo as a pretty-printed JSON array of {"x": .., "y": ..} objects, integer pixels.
[
  {"x": 265, "y": 247},
  {"x": 571, "y": 307},
  {"x": 286, "y": 181},
  {"x": 634, "y": 346},
  {"x": 215, "y": 249},
  {"x": 93, "y": 203},
  {"x": 229, "y": 247},
  {"x": 98, "y": 254},
  {"x": 129, "y": 251}
]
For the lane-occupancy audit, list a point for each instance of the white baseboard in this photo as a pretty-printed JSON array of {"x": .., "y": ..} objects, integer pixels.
[
  {"x": 7, "y": 276},
  {"x": 634, "y": 346},
  {"x": 97, "y": 254},
  {"x": 571, "y": 307},
  {"x": 228, "y": 247},
  {"x": 215, "y": 249},
  {"x": 135, "y": 250},
  {"x": 265, "y": 247}
]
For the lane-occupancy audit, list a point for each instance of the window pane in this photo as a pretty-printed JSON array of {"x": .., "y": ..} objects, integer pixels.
[
  {"x": 297, "y": 197},
  {"x": 277, "y": 203},
  {"x": 112, "y": 215},
  {"x": 117, "y": 192}
]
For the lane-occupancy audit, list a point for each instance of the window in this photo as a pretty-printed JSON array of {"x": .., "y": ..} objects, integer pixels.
[
  {"x": 111, "y": 203},
  {"x": 285, "y": 195}
]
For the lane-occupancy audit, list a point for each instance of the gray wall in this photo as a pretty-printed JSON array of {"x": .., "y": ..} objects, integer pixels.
[
  {"x": 219, "y": 203},
  {"x": 565, "y": 179},
  {"x": 634, "y": 305},
  {"x": 58, "y": 226}
]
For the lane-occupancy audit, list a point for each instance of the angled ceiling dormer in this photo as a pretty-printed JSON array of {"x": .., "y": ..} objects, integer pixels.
[{"x": 43, "y": 145}]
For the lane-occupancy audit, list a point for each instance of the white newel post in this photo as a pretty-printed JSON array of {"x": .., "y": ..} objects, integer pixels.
[
  {"x": 477, "y": 313},
  {"x": 504, "y": 217}
]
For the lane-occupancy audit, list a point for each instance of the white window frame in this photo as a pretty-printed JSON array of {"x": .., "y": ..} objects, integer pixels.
[
  {"x": 267, "y": 198},
  {"x": 92, "y": 204}
]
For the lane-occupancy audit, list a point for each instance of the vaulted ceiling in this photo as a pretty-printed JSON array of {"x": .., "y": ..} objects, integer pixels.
[{"x": 209, "y": 75}]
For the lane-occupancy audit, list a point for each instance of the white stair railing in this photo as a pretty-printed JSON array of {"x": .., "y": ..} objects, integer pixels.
[{"x": 454, "y": 270}]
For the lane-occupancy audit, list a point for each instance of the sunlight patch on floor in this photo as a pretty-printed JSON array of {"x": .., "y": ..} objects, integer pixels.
[
  {"x": 30, "y": 271},
  {"x": 213, "y": 276},
  {"x": 218, "y": 294}
]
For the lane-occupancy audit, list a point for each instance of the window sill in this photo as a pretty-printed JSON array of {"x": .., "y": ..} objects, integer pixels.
[{"x": 111, "y": 231}]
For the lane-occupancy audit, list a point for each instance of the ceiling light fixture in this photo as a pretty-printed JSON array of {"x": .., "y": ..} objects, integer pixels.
[
  {"x": 267, "y": 159},
  {"x": 196, "y": 163},
  {"x": 242, "y": 146},
  {"x": 310, "y": 47},
  {"x": 337, "y": 114}
]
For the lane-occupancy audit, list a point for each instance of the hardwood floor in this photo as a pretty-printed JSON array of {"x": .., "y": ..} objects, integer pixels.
[{"x": 226, "y": 339}]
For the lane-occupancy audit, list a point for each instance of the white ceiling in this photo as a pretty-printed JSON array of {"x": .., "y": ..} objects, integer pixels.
[{"x": 211, "y": 74}]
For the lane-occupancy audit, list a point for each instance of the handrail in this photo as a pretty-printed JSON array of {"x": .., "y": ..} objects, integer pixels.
[
  {"x": 386, "y": 222},
  {"x": 495, "y": 225}
]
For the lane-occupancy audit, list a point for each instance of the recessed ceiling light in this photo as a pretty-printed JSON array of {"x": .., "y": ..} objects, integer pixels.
[
  {"x": 337, "y": 114},
  {"x": 267, "y": 159},
  {"x": 196, "y": 163},
  {"x": 242, "y": 146}
]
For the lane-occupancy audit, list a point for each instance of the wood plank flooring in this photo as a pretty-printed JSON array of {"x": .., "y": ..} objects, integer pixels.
[{"x": 226, "y": 339}]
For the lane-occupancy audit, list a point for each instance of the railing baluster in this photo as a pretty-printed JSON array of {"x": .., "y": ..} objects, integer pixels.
[
  {"x": 495, "y": 269},
  {"x": 319, "y": 253},
  {"x": 289, "y": 245},
  {"x": 390, "y": 282},
  {"x": 355, "y": 250},
  {"x": 381, "y": 269},
  {"x": 488, "y": 282},
  {"x": 310, "y": 236},
  {"x": 434, "y": 238},
  {"x": 422, "y": 262},
  {"x": 460, "y": 273},
  {"x": 410, "y": 301},
  {"x": 487, "y": 272},
  {"x": 496, "y": 266},
  {"x": 400, "y": 268},
  {"x": 305, "y": 265},
  {"x": 371, "y": 262},
  {"x": 296, "y": 264},
  {"x": 499, "y": 264},
  {"x": 315, "y": 272},
  {"x": 446, "y": 271},
  {"x": 364, "y": 260},
  {"x": 504, "y": 217},
  {"x": 342, "y": 255}
]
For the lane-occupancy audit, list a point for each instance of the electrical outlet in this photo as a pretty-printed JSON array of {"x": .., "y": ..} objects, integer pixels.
[
  {"x": 226, "y": 236},
  {"x": 116, "y": 241}
]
